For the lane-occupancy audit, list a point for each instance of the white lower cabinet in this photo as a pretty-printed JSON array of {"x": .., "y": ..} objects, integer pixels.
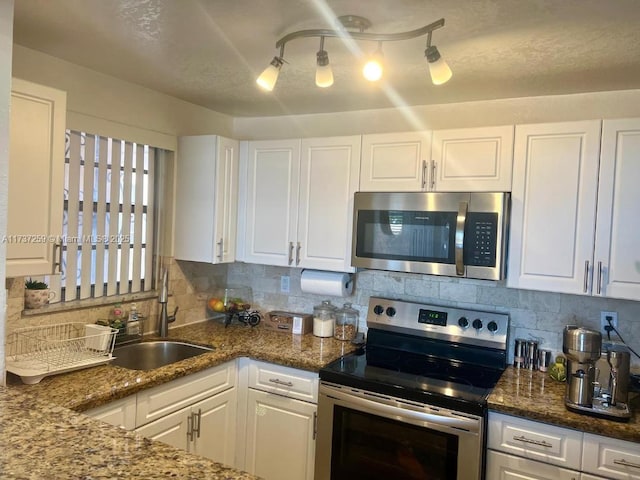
[
  {"x": 206, "y": 428},
  {"x": 524, "y": 449},
  {"x": 502, "y": 466},
  {"x": 280, "y": 437},
  {"x": 120, "y": 413}
]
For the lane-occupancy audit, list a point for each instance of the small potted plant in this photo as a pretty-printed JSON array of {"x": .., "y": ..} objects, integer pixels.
[{"x": 36, "y": 294}]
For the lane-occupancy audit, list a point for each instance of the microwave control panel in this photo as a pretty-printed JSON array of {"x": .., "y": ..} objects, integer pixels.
[{"x": 480, "y": 239}]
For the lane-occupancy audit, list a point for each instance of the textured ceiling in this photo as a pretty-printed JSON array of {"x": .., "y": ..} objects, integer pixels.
[{"x": 209, "y": 52}]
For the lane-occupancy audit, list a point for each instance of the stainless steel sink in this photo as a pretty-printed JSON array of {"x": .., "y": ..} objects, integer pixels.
[{"x": 155, "y": 354}]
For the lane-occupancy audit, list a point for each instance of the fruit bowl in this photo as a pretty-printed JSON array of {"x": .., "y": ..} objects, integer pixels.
[{"x": 230, "y": 300}]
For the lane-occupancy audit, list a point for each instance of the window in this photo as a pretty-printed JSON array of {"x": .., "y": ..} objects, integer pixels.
[{"x": 108, "y": 219}]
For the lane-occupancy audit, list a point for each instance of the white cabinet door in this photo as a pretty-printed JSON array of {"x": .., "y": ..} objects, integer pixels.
[
  {"x": 280, "y": 437},
  {"x": 472, "y": 159},
  {"x": 395, "y": 162},
  {"x": 329, "y": 176},
  {"x": 206, "y": 199},
  {"x": 617, "y": 252},
  {"x": 36, "y": 174},
  {"x": 501, "y": 466},
  {"x": 171, "y": 429},
  {"x": 272, "y": 202},
  {"x": 555, "y": 182},
  {"x": 120, "y": 413},
  {"x": 217, "y": 437}
]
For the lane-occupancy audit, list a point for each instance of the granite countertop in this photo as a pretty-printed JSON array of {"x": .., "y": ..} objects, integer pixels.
[
  {"x": 43, "y": 436},
  {"x": 536, "y": 396},
  {"x": 85, "y": 389}
]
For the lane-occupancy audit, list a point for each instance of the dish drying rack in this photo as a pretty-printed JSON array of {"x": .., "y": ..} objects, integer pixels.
[{"x": 37, "y": 352}]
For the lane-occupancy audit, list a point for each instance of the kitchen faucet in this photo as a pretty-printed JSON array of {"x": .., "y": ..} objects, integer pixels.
[{"x": 163, "y": 298}]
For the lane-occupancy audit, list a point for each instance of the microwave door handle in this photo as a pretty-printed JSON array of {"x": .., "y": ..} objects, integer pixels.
[{"x": 459, "y": 241}]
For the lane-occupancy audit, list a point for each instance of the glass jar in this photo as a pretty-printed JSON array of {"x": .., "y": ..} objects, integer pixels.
[
  {"x": 346, "y": 323},
  {"x": 324, "y": 317}
]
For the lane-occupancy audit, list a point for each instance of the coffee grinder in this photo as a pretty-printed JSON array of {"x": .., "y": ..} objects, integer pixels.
[{"x": 584, "y": 393}]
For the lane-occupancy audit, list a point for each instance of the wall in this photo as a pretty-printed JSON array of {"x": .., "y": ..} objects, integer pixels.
[
  {"x": 93, "y": 95},
  {"x": 511, "y": 111},
  {"x": 6, "y": 41}
]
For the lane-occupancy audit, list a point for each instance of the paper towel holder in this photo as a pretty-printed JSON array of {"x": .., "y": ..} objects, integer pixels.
[{"x": 346, "y": 284}]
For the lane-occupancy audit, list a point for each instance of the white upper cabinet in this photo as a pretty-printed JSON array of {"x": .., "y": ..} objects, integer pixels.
[
  {"x": 299, "y": 202},
  {"x": 472, "y": 159},
  {"x": 395, "y": 162},
  {"x": 206, "y": 199},
  {"x": 461, "y": 160},
  {"x": 617, "y": 250},
  {"x": 36, "y": 178},
  {"x": 271, "y": 216},
  {"x": 329, "y": 173},
  {"x": 553, "y": 212}
]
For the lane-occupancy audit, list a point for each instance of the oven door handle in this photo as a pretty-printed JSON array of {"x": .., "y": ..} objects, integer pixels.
[
  {"x": 405, "y": 413},
  {"x": 461, "y": 220}
]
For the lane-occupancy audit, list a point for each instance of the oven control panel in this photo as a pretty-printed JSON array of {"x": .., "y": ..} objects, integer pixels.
[{"x": 446, "y": 323}]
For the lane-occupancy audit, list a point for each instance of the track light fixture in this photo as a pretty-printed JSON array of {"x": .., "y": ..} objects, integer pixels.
[{"x": 353, "y": 28}]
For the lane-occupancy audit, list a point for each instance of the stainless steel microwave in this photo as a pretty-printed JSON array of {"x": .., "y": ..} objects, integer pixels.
[{"x": 456, "y": 234}]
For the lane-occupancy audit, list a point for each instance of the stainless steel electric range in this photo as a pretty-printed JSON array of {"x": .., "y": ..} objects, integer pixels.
[{"x": 413, "y": 403}]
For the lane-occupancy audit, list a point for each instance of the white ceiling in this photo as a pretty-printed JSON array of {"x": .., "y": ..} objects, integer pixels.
[{"x": 209, "y": 52}]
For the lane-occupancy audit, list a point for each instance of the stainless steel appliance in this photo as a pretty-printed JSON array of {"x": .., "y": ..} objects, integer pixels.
[
  {"x": 455, "y": 234},
  {"x": 412, "y": 404},
  {"x": 585, "y": 393}
]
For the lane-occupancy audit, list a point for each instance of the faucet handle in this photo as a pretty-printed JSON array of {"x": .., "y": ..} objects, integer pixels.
[{"x": 172, "y": 318}]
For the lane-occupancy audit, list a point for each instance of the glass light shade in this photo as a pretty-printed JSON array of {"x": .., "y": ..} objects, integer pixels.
[
  {"x": 373, "y": 69},
  {"x": 440, "y": 72},
  {"x": 324, "y": 76},
  {"x": 268, "y": 78}
]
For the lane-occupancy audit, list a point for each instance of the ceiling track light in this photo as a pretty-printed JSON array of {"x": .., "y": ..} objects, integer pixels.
[{"x": 353, "y": 28}]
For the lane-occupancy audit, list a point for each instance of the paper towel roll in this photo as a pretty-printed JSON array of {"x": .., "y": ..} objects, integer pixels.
[{"x": 336, "y": 284}]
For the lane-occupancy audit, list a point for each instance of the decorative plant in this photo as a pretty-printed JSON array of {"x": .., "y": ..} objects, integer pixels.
[{"x": 35, "y": 285}]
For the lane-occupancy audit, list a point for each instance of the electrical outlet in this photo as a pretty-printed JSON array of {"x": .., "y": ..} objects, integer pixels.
[
  {"x": 285, "y": 283},
  {"x": 604, "y": 322}
]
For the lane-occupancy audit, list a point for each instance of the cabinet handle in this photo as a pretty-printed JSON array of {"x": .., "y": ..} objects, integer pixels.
[
  {"x": 539, "y": 443},
  {"x": 190, "y": 427},
  {"x": 433, "y": 175},
  {"x": 220, "y": 249},
  {"x": 58, "y": 264},
  {"x": 298, "y": 254},
  {"x": 277, "y": 381},
  {"x": 197, "y": 417},
  {"x": 315, "y": 424},
  {"x": 586, "y": 276},
  {"x": 424, "y": 173},
  {"x": 599, "y": 278},
  {"x": 625, "y": 463},
  {"x": 290, "y": 253}
]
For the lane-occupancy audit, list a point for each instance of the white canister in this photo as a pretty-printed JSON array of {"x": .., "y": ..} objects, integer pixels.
[{"x": 324, "y": 318}]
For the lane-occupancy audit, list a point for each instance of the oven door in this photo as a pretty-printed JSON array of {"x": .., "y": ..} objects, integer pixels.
[{"x": 367, "y": 435}]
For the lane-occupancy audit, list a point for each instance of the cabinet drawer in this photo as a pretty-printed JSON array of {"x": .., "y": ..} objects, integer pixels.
[
  {"x": 535, "y": 440},
  {"x": 286, "y": 381},
  {"x": 501, "y": 466},
  {"x": 164, "y": 399},
  {"x": 611, "y": 458}
]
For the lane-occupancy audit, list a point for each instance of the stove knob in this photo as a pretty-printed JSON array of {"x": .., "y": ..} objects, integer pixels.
[
  {"x": 391, "y": 311},
  {"x": 378, "y": 309},
  {"x": 463, "y": 322},
  {"x": 477, "y": 324},
  {"x": 492, "y": 326}
]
